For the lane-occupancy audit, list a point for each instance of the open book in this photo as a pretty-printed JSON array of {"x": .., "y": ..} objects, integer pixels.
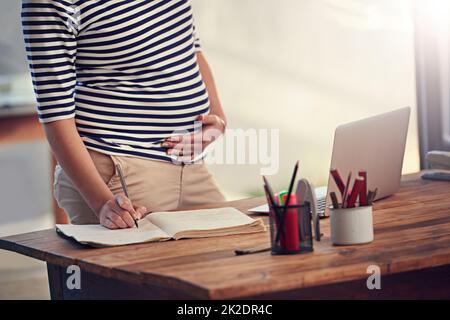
[{"x": 161, "y": 226}]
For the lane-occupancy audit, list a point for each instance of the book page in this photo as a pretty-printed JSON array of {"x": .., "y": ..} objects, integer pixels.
[
  {"x": 205, "y": 220},
  {"x": 97, "y": 235},
  {"x": 264, "y": 208}
]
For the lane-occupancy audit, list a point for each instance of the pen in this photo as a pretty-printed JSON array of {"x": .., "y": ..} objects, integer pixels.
[
  {"x": 371, "y": 196},
  {"x": 275, "y": 202},
  {"x": 356, "y": 190},
  {"x": 374, "y": 194},
  {"x": 272, "y": 203},
  {"x": 124, "y": 187},
  {"x": 269, "y": 189},
  {"x": 291, "y": 184},
  {"x": 334, "y": 200},
  {"x": 286, "y": 204},
  {"x": 276, "y": 208},
  {"x": 347, "y": 187},
  {"x": 258, "y": 249},
  {"x": 271, "y": 194},
  {"x": 270, "y": 198}
]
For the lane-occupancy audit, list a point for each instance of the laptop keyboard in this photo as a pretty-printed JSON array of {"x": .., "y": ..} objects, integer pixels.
[{"x": 321, "y": 204}]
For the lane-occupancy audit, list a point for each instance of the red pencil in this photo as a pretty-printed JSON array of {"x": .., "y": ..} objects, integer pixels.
[
  {"x": 363, "y": 192},
  {"x": 338, "y": 181},
  {"x": 359, "y": 182},
  {"x": 345, "y": 194}
]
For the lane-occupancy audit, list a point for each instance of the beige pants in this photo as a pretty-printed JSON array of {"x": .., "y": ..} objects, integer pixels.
[{"x": 157, "y": 185}]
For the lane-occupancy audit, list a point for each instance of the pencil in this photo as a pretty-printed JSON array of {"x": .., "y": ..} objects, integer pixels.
[
  {"x": 269, "y": 190},
  {"x": 338, "y": 180},
  {"x": 356, "y": 190},
  {"x": 124, "y": 187},
  {"x": 291, "y": 184},
  {"x": 272, "y": 203},
  {"x": 286, "y": 204},
  {"x": 334, "y": 200},
  {"x": 259, "y": 249},
  {"x": 347, "y": 187},
  {"x": 371, "y": 197}
]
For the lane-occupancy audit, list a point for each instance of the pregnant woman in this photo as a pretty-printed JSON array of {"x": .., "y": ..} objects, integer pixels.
[{"x": 123, "y": 83}]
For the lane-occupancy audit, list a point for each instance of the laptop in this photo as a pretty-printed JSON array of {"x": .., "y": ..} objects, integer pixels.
[{"x": 376, "y": 145}]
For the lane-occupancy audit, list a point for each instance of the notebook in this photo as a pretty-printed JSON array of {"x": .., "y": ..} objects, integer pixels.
[{"x": 162, "y": 226}]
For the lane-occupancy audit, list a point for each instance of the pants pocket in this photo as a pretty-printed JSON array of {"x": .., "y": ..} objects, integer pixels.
[
  {"x": 114, "y": 178},
  {"x": 106, "y": 166}
]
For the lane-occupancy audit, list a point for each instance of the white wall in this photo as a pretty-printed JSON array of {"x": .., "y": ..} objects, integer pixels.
[
  {"x": 305, "y": 66},
  {"x": 13, "y": 57},
  {"x": 25, "y": 187}
]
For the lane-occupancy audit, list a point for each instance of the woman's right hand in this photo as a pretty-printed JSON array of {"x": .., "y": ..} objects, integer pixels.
[{"x": 120, "y": 213}]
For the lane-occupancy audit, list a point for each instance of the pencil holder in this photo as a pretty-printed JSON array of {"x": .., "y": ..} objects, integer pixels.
[
  {"x": 351, "y": 225},
  {"x": 291, "y": 232}
]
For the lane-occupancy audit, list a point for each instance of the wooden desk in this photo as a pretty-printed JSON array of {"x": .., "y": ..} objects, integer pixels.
[{"x": 411, "y": 247}]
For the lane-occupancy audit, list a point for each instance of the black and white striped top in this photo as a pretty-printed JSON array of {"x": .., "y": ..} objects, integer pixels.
[{"x": 125, "y": 69}]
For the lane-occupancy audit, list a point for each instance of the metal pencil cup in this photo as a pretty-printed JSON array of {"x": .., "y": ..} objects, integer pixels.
[{"x": 291, "y": 233}]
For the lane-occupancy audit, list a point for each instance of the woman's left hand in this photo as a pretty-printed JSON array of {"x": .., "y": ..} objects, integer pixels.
[{"x": 187, "y": 147}]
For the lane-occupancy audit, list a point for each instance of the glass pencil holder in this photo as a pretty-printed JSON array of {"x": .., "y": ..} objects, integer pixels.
[{"x": 291, "y": 231}]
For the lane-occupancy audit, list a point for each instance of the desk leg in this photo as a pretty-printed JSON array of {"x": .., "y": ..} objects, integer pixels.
[
  {"x": 55, "y": 281},
  {"x": 94, "y": 286}
]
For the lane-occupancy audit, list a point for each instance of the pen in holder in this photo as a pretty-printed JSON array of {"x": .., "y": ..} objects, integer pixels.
[
  {"x": 290, "y": 218},
  {"x": 290, "y": 229}
]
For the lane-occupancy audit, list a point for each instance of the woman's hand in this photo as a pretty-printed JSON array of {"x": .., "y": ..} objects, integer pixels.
[
  {"x": 119, "y": 213},
  {"x": 187, "y": 147}
]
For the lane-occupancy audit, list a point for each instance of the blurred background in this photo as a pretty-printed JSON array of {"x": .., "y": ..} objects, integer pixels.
[{"x": 300, "y": 66}]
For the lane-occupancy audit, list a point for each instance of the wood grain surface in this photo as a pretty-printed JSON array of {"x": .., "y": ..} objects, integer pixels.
[{"x": 412, "y": 232}]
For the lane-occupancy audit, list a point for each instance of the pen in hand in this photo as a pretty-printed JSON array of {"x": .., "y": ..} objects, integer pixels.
[{"x": 124, "y": 187}]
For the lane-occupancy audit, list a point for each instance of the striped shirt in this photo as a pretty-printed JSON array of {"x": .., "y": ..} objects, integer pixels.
[{"x": 125, "y": 70}]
